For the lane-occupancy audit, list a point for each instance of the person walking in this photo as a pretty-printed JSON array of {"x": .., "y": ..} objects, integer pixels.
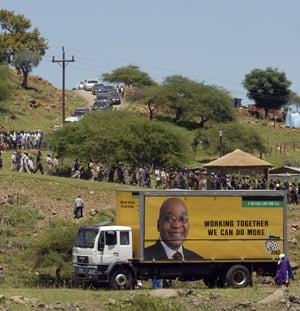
[
  {"x": 56, "y": 165},
  {"x": 284, "y": 271},
  {"x": 49, "y": 164},
  {"x": 39, "y": 165},
  {"x": 78, "y": 207}
]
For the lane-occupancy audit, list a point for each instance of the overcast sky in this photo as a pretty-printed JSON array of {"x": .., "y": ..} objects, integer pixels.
[{"x": 216, "y": 42}]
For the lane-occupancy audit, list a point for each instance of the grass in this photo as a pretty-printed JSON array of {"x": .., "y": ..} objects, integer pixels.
[
  {"x": 283, "y": 144},
  {"x": 199, "y": 299}
]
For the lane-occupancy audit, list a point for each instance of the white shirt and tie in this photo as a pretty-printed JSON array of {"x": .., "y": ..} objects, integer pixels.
[{"x": 171, "y": 254}]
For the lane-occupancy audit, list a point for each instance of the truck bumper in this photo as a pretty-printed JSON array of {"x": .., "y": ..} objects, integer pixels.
[{"x": 90, "y": 273}]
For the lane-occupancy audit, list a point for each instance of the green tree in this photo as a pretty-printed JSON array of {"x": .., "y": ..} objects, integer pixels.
[
  {"x": 153, "y": 97},
  {"x": 196, "y": 102},
  {"x": 234, "y": 136},
  {"x": 130, "y": 76},
  {"x": 114, "y": 136},
  {"x": 268, "y": 88},
  {"x": 26, "y": 47}
]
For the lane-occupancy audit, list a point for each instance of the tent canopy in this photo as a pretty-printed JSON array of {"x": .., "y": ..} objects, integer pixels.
[{"x": 238, "y": 158}]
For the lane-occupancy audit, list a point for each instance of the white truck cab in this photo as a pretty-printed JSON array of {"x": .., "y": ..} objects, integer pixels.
[{"x": 104, "y": 246}]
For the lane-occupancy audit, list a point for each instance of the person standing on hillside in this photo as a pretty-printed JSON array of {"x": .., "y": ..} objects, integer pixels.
[
  {"x": 284, "y": 271},
  {"x": 56, "y": 165},
  {"x": 78, "y": 207},
  {"x": 49, "y": 164}
]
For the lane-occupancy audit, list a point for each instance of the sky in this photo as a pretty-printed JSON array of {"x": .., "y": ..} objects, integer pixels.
[{"x": 216, "y": 42}]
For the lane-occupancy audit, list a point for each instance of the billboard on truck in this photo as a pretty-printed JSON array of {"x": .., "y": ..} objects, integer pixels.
[{"x": 212, "y": 225}]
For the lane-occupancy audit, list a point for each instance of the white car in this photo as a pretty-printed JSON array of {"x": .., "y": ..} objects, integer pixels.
[
  {"x": 71, "y": 119},
  {"x": 79, "y": 85},
  {"x": 88, "y": 84}
]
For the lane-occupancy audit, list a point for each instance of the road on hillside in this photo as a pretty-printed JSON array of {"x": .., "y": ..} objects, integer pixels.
[
  {"x": 88, "y": 96},
  {"x": 90, "y": 99}
]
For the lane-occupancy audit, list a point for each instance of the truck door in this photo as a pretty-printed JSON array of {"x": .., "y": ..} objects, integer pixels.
[
  {"x": 108, "y": 246},
  {"x": 125, "y": 245}
]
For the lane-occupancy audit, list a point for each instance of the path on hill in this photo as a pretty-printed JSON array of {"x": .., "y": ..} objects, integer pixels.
[{"x": 90, "y": 99}]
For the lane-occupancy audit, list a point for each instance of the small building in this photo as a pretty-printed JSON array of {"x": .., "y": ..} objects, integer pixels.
[
  {"x": 237, "y": 162},
  {"x": 285, "y": 173}
]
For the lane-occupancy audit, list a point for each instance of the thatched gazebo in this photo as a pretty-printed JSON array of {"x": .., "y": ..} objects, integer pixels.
[{"x": 237, "y": 162}]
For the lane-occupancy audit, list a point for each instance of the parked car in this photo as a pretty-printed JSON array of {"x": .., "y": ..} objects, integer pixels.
[
  {"x": 103, "y": 96},
  {"x": 80, "y": 112},
  {"x": 115, "y": 98},
  {"x": 71, "y": 119},
  {"x": 100, "y": 104},
  {"x": 88, "y": 84},
  {"x": 110, "y": 88},
  {"x": 2, "y": 276},
  {"x": 96, "y": 88},
  {"x": 107, "y": 89},
  {"x": 57, "y": 127},
  {"x": 80, "y": 85}
]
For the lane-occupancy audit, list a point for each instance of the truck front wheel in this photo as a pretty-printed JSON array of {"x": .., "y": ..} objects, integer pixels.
[
  {"x": 238, "y": 276},
  {"x": 121, "y": 278}
]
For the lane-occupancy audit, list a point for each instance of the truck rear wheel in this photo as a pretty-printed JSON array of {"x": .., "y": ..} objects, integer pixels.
[
  {"x": 238, "y": 276},
  {"x": 121, "y": 278}
]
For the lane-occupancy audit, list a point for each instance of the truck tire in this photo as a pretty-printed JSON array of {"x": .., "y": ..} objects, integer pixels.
[
  {"x": 121, "y": 278},
  {"x": 238, "y": 276}
]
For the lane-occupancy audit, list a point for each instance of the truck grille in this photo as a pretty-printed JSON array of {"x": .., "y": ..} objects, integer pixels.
[{"x": 82, "y": 259}]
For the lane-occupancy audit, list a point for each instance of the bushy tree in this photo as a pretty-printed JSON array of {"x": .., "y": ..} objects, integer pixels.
[
  {"x": 26, "y": 47},
  {"x": 52, "y": 254},
  {"x": 234, "y": 136},
  {"x": 193, "y": 101},
  {"x": 268, "y": 88},
  {"x": 131, "y": 76},
  {"x": 153, "y": 97},
  {"x": 114, "y": 136}
]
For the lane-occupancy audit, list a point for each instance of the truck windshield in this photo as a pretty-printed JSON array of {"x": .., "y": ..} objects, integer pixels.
[{"x": 86, "y": 238}]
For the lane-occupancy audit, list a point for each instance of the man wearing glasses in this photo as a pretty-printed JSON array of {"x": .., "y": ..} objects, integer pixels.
[{"x": 173, "y": 226}]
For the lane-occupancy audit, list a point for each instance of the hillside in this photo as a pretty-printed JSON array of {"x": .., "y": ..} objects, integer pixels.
[
  {"x": 40, "y": 107},
  {"x": 52, "y": 198}
]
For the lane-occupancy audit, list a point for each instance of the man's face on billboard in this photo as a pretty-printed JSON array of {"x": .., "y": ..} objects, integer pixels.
[{"x": 173, "y": 223}]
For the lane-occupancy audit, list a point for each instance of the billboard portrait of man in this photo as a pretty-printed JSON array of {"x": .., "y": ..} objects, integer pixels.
[{"x": 173, "y": 227}]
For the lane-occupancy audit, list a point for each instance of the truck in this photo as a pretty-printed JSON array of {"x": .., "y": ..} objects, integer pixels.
[{"x": 232, "y": 233}]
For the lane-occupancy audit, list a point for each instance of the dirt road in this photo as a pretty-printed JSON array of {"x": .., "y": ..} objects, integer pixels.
[
  {"x": 90, "y": 99},
  {"x": 88, "y": 96}
]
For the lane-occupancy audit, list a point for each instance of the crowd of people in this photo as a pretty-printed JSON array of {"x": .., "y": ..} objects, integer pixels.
[
  {"x": 146, "y": 176},
  {"x": 21, "y": 140},
  {"x": 32, "y": 162},
  {"x": 236, "y": 182}
]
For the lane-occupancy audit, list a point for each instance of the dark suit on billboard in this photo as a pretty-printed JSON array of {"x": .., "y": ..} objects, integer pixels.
[{"x": 156, "y": 251}]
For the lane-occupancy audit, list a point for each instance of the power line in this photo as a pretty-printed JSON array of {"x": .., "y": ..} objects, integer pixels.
[{"x": 64, "y": 61}]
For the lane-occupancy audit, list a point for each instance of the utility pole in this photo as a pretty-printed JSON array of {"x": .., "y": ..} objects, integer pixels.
[
  {"x": 220, "y": 135},
  {"x": 221, "y": 143},
  {"x": 63, "y": 61}
]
